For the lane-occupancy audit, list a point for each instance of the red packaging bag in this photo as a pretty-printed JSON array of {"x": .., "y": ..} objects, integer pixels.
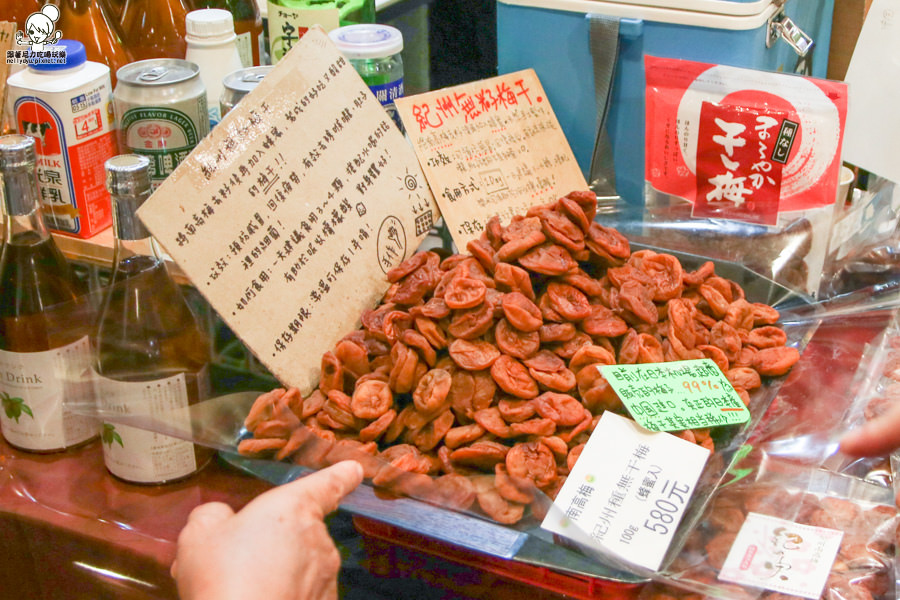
[
  {"x": 676, "y": 92},
  {"x": 746, "y": 146}
]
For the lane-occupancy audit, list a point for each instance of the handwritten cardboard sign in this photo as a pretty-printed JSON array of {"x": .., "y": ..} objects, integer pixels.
[
  {"x": 490, "y": 147},
  {"x": 679, "y": 395},
  {"x": 289, "y": 214}
]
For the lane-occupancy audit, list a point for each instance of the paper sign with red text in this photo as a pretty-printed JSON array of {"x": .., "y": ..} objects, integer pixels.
[
  {"x": 490, "y": 147},
  {"x": 289, "y": 214}
]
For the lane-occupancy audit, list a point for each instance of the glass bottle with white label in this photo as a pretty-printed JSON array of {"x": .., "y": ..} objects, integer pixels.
[
  {"x": 289, "y": 19},
  {"x": 151, "y": 357},
  {"x": 44, "y": 320}
]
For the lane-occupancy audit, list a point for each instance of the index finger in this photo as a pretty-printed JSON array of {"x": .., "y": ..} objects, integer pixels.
[
  {"x": 877, "y": 437},
  {"x": 322, "y": 491}
]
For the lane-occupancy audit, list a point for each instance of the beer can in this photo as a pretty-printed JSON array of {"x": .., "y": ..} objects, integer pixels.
[
  {"x": 162, "y": 112},
  {"x": 238, "y": 84}
]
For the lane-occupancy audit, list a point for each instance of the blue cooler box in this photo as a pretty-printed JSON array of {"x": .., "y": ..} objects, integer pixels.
[{"x": 552, "y": 37}]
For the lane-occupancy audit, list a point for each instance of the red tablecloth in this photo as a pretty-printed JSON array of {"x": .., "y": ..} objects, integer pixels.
[{"x": 69, "y": 530}]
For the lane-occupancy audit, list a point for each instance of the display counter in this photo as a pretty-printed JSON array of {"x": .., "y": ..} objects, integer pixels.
[{"x": 70, "y": 530}]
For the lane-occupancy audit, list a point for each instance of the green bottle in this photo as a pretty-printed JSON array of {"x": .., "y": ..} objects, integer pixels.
[{"x": 289, "y": 19}]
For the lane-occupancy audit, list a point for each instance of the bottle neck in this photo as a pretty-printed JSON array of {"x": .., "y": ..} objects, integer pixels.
[
  {"x": 146, "y": 248},
  {"x": 132, "y": 237},
  {"x": 23, "y": 206}
]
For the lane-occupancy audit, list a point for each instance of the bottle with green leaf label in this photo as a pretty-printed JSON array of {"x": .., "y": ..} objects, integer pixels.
[
  {"x": 44, "y": 320},
  {"x": 151, "y": 357},
  {"x": 289, "y": 19}
]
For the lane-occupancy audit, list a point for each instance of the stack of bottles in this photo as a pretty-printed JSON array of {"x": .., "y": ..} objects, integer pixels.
[{"x": 138, "y": 351}]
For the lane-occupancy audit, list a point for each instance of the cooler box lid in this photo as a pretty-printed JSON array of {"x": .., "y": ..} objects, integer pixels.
[{"x": 717, "y": 14}]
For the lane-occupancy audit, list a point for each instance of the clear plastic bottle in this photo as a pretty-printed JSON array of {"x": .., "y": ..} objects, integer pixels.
[
  {"x": 374, "y": 51},
  {"x": 212, "y": 46},
  {"x": 151, "y": 357},
  {"x": 44, "y": 319}
]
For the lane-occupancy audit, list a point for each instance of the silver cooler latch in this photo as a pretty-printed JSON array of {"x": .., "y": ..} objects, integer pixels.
[{"x": 780, "y": 26}]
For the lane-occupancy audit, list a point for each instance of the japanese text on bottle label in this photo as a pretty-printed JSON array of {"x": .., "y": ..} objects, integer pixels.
[
  {"x": 38, "y": 389},
  {"x": 143, "y": 455}
]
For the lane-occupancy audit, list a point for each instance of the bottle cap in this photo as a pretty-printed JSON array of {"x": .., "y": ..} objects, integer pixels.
[
  {"x": 127, "y": 175},
  {"x": 209, "y": 24},
  {"x": 367, "y": 40},
  {"x": 16, "y": 154},
  {"x": 75, "y": 56},
  {"x": 16, "y": 151}
]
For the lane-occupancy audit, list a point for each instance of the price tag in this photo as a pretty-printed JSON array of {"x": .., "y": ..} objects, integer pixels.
[
  {"x": 289, "y": 214},
  {"x": 490, "y": 147},
  {"x": 782, "y": 556},
  {"x": 673, "y": 396},
  {"x": 628, "y": 491}
]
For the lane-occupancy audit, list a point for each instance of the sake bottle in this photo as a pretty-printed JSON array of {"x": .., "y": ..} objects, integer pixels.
[
  {"x": 45, "y": 320},
  {"x": 150, "y": 356},
  {"x": 290, "y": 19}
]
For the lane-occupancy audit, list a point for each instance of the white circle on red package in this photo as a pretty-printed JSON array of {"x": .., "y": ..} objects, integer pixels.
[{"x": 818, "y": 142}]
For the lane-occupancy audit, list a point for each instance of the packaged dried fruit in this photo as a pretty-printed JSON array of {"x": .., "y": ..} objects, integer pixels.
[{"x": 749, "y": 158}]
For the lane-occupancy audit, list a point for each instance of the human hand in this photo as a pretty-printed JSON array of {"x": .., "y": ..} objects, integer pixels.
[
  {"x": 877, "y": 437},
  {"x": 277, "y": 547}
]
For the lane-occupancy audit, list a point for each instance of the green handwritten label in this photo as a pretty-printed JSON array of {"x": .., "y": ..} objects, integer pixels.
[{"x": 673, "y": 396}]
